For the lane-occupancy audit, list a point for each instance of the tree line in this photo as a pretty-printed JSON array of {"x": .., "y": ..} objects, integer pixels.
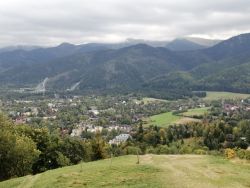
[{"x": 27, "y": 150}]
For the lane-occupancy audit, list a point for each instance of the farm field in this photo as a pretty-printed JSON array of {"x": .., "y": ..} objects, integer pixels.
[
  {"x": 153, "y": 171},
  {"x": 196, "y": 111},
  {"x": 168, "y": 118},
  {"x": 185, "y": 120},
  {"x": 148, "y": 100},
  {"x": 163, "y": 119},
  {"x": 225, "y": 95}
]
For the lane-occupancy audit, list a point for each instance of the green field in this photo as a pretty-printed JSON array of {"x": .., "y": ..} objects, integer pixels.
[
  {"x": 147, "y": 100},
  {"x": 196, "y": 111},
  {"x": 163, "y": 119},
  {"x": 174, "y": 171},
  {"x": 225, "y": 95},
  {"x": 169, "y": 118}
]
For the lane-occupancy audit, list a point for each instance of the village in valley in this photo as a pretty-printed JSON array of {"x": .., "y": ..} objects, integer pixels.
[{"x": 115, "y": 117}]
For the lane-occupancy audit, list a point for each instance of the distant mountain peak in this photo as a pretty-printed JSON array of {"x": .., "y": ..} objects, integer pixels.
[
  {"x": 203, "y": 41},
  {"x": 66, "y": 44},
  {"x": 182, "y": 44}
]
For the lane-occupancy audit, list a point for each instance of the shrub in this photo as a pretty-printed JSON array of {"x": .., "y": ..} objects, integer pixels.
[
  {"x": 200, "y": 152},
  {"x": 131, "y": 150},
  {"x": 247, "y": 154},
  {"x": 241, "y": 153},
  {"x": 174, "y": 149},
  {"x": 229, "y": 153},
  {"x": 151, "y": 150},
  {"x": 186, "y": 150},
  {"x": 163, "y": 150}
]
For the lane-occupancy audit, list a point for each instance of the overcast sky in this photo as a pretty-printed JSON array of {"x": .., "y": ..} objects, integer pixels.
[{"x": 50, "y": 22}]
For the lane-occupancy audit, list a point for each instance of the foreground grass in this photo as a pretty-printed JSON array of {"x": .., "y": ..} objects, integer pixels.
[
  {"x": 123, "y": 172},
  {"x": 177, "y": 171},
  {"x": 225, "y": 95}
]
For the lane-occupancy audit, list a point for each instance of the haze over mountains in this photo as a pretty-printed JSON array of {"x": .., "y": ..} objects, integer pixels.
[
  {"x": 203, "y": 43},
  {"x": 183, "y": 64}
]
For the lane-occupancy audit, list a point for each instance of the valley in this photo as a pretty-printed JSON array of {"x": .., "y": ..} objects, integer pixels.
[{"x": 108, "y": 93}]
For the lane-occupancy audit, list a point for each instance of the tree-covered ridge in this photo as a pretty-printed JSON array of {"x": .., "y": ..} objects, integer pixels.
[{"x": 133, "y": 68}]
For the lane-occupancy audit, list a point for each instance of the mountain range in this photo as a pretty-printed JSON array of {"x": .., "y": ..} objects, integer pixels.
[{"x": 179, "y": 66}]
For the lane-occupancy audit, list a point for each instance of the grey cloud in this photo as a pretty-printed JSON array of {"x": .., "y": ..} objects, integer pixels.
[{"x": 79, "y": 21}]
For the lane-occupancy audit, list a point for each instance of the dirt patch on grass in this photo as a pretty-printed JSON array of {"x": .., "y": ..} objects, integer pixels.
[{"x": 185, "y": 120}]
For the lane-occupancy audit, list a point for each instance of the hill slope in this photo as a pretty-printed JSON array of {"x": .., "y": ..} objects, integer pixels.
[{"x": 153, "y": 171}]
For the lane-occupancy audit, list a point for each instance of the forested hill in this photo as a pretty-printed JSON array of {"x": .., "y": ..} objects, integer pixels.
[{"x": 139, "y": 67}]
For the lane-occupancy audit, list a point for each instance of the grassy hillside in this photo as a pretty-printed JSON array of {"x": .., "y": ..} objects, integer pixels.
[
  {"x": 225, "y": 95},
  {"x": 177, "y": 171}
]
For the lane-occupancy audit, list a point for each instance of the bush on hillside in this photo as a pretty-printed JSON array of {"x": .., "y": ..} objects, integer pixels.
[
  {"x": 132, "y": 150},
  {"x": 200, "y": 152},
  {"x": 229, "y": 153},
  {"x": 243, "y": 154}
]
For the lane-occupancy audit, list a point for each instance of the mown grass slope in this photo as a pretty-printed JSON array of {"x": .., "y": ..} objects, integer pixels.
[{"x": 177, "y": 171}]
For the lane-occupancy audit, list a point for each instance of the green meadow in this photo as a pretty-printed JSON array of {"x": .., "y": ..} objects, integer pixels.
[
  {"x": 174, "y": 171},
  {"x": 225, "y": 95},
  {"x": 148, "y": 100},
  {"x": 168, "y": 118},
  {"x": 163, "y": 119},
  {"x": 196, "y": 111}
]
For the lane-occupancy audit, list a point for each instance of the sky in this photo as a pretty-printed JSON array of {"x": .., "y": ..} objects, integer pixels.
[{"x": 51, "y": 22}]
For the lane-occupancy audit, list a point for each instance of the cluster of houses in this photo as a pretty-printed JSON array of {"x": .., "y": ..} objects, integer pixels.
[
  {"x": 234, "y": 107},
  {"x": 25, "y": 116},
  {"x": 230, "y": 107},
  {"x": 26, "y": 110},
  {"x": 22, "y": 111},
  {"x": 122, "y": 128},
  {"x": 119, "y": 139},
  {"x": 21, "y": 117},
  {"x": 77, "y": 132},
  {"x": 81, "y": 127}
]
